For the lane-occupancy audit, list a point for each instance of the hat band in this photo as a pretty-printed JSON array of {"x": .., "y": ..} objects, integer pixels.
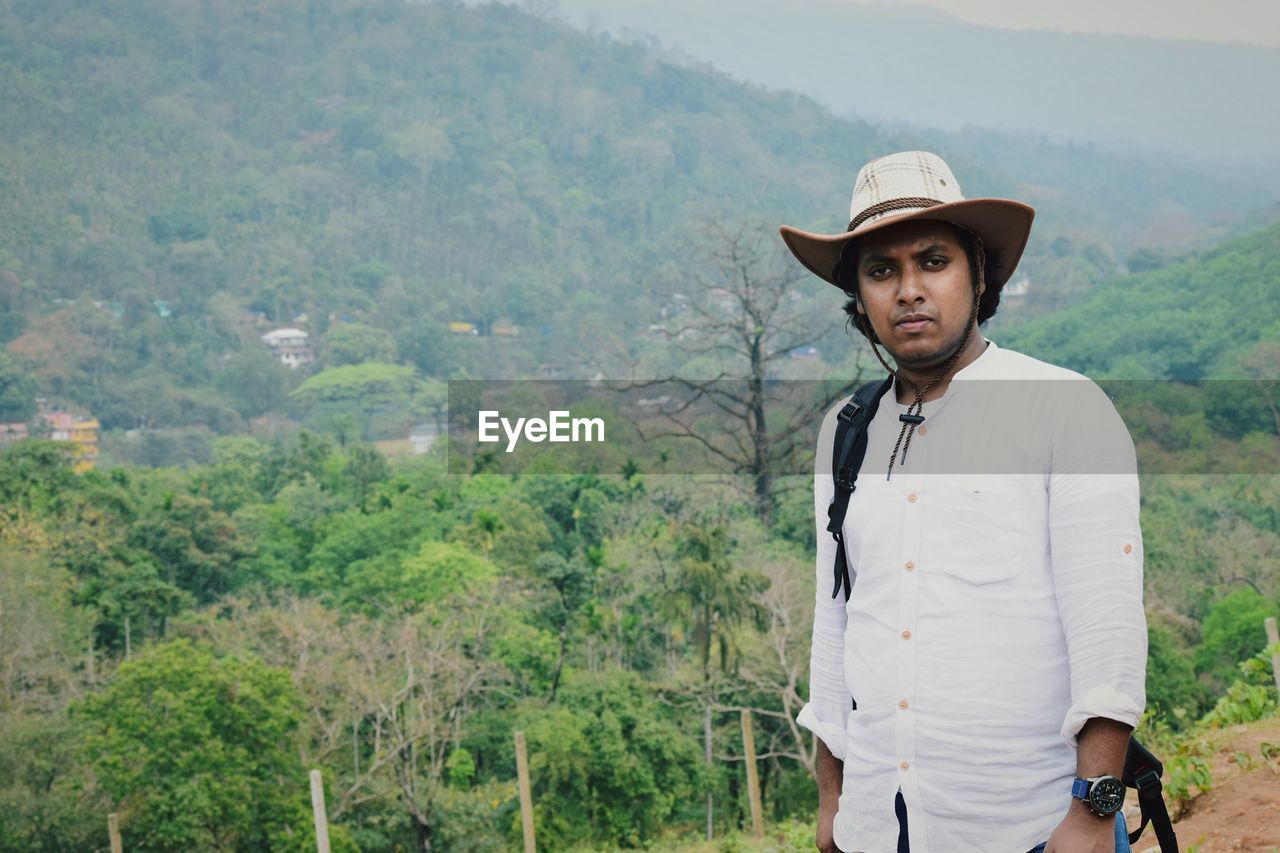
[{"x": 914, "y": 202}]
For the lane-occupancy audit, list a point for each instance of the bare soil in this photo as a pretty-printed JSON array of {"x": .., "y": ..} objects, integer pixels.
[{"x": 1241, "y": 811}]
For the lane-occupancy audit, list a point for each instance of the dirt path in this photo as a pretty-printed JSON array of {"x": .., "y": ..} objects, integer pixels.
[{"x": 1242, "y": 810}]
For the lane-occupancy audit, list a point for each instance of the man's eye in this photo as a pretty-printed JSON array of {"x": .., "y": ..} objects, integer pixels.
[
  {"x": 937, "y": 261},
  {"x": 878, "y": 272}
]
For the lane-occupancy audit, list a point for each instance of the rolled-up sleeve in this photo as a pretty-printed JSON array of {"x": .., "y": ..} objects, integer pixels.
[
  {"x": 827, "y": 711},
  {"x": 1096, "y": 551}
]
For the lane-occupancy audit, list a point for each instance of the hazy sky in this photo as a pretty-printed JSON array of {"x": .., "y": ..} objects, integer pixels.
[{"x": 1249, "y": 21}]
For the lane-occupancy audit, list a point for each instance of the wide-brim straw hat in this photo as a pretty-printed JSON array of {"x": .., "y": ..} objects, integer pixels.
[{"x": 918, "y": 185}]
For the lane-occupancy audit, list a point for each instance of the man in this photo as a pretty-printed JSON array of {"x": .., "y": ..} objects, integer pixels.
[{"x": 992, "y": 650}]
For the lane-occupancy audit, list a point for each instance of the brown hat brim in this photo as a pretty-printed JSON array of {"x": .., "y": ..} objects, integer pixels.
[{"x": 1003, "y": 224}]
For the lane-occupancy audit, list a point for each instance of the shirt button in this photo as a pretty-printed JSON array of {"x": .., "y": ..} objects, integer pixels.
[
  {"x": 903, "y": 706},
  {"x": 1128, "y": 549},
  {"x": 911, "y": 498},
  {"x": 906, "y": 635},
  {"x": 909, "y": 565},
  {"x": 904, "y": 766},
  {"x": 923, "y": 430}
]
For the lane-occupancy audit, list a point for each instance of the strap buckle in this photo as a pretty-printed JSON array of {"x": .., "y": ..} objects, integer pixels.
[
  {"x": 1147, "y": 782},
  {"x": 850, "y": 411}
]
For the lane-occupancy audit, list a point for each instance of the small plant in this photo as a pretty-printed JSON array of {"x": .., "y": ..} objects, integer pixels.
[
  {"x": 1187, "y": 771},
  {"x": 1251, "y": 697},
  {"x": 1271, "y": 755}
]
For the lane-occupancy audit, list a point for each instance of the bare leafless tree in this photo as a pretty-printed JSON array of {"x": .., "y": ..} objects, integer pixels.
[
  {"x": 744, "y": 313},
  {"x": 388, "y": 699},
  {"x": 775, "y": 662}
]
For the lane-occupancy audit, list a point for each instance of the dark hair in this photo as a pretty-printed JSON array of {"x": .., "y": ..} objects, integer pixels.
[{"x": 846, "y": 278}]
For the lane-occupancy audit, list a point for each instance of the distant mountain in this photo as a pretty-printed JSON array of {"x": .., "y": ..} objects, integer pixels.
[
  {"x": 173, "y": 174},
  {"x": 900, "y": 63}
]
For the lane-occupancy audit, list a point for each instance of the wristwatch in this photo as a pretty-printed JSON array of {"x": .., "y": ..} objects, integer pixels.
[{"x": 1103, "y": 794}]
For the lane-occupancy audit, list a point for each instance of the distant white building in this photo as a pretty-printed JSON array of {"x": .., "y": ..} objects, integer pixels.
[
  {"x": 1017, "y": 288},
  {"x": 291, "y": 346},
  {"x": 422, "y": 436}
]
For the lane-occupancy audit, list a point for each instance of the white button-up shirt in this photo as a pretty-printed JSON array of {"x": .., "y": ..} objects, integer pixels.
[{"x": 996, "y": 607}]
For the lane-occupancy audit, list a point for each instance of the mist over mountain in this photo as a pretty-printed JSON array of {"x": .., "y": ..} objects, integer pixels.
[{"x": 916, "y": 64}]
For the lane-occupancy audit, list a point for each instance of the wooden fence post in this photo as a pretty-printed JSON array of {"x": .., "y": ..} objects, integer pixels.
[
  {"x": 753, "y": 776},
  {"x": 113, "y": 832},
  {"x": 526, "y": 793},
  {"x": 1272, "y": 638},
  {"x": 706, "y": 742},
  {"x": 317, "y": 809}
]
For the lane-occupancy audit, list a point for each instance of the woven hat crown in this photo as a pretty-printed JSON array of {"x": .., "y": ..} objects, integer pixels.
[{"x": 901, "y": 183}]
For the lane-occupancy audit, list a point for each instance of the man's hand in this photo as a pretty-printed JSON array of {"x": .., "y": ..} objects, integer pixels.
[
  {"x": 830, "y": 781},
  {"x": 1100, "y": 751},
  {"x": 1081, "y": 831}
]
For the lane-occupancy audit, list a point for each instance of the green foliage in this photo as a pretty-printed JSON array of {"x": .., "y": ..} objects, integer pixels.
[
  {"x": 1251, "y": 697},
  {"x": 1189, "y": 776},
  {"x": 49, "y": 802},
  {"x": 609, "y": 766},
  {"x": 197, "y": 749},
  {"x": 195, "y": 547},
  {"x": 436, "y": 571},
  {"x": 17, "y": 392},
  {"x": 254, "y": 383},
  {"x": 1232, "y": 632},
  {"x": 477, "y": 819},
  {"x": 35, "y": 475},
  {"x": 1179, "y": 322},
  {"x": 1172, "y": 689},
  {"x": 355, "y": 391},
  {"x": 356, "y": 343}
]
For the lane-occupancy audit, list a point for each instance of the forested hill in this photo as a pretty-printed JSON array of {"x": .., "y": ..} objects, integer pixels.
[
  {"x": 170, "y": 168},
  {"x": 1190, "y": 319}
]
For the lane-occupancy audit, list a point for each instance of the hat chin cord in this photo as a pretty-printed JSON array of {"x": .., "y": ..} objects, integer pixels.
[{"x": 912, "y": 418}]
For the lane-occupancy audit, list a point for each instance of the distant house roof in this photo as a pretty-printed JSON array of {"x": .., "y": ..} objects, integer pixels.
[{"x": 280, "y": 336}]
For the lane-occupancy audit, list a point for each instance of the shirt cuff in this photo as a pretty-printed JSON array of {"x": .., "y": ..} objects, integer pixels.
[
  {"x": 827, "y": 724},
  {"x": 1101, "y": 701}
]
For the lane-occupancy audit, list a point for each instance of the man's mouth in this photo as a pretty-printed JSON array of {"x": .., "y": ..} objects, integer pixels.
[{"x": 913, "y": 322}]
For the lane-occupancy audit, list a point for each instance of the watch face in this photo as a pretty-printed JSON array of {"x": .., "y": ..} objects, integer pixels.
[{"x": 1107, "y": 794}]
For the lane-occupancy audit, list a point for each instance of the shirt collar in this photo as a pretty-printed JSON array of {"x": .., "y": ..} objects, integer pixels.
[{"x": 983, "y": 366}]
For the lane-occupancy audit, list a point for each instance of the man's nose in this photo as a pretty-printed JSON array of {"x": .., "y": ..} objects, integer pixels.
[{"x": 911, "y": 285}]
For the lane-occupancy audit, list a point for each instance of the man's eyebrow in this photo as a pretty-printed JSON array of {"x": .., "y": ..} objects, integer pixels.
[{"x": 927, "y": 250}]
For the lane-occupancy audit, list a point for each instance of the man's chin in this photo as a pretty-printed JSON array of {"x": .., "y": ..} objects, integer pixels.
[{"x": 921, "y": 355}]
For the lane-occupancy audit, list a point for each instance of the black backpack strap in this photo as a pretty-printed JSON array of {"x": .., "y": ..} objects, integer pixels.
[
  {"x": 849, "y": 448},
  {"x": 1142, "y": 771}
]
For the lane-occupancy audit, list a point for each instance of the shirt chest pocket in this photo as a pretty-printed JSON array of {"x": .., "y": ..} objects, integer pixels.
[{"x": 978, "y": 529}]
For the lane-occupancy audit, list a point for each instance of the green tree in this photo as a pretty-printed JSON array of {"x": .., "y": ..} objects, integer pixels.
[
  {"x": 609, "y": 765},
  {"x": 196, "y": 750},
  {"x": 254, "y": 383},
  {"x": 195, "y": 546},
  {"x": 713, "y": 598},
  {"x": 17, "y": 392},
  {"x": 1172, "y": 689},
  {"x": 364, "y": 388},
  {"x": 355, "y": 343},
  {"x": 1232, "y": 632}
]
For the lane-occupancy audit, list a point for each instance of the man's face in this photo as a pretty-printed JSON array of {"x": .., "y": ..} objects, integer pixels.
[{"x": 916, "y": 288}]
